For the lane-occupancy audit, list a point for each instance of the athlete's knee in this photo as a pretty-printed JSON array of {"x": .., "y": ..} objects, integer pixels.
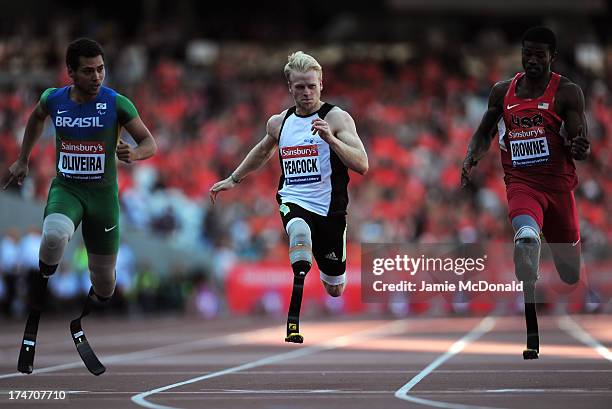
[
  {"x": 568, "y": 261},
  {"x": 300, "y": 246},
  {"x": 568, "y": 268},
  {"x": 333, "y": 284},
  {"x": 334, "y": 290},
  {"x": 570, "y": 277},
  {"x": 527, "y": 234},
  {"x": 57, "y": 231},
  {"x": 527, "y": 245},
  {"x": 102, "y": 270}
]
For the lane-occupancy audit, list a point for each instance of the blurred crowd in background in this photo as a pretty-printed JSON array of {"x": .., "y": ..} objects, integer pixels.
[{"x": 415, "y": 102}]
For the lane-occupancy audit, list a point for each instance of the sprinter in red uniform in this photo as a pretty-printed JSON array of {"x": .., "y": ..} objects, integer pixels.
[{"x": 539, "y": 117}]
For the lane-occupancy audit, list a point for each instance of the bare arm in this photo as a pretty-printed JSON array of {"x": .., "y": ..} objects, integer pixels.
[
  {"x": 34, "y": 128},
  {"x": 340, "y": 133},
  {"x": 256, "y": 158},
  {"x": 481, "y": 140},
  {"x": 19, "y": 169},
  {"x": 571, "y": 106},
  {"x": 260, "y": 154},
  {"x": 146, "y": 146}
]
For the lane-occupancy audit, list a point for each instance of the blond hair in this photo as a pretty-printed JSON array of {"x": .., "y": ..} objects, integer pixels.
[{"x": 302, "y": 62}]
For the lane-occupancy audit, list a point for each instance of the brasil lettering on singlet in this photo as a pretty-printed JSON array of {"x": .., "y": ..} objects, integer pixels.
[
  {"x": 82, "y": 160},
  {"x": 301, "y": 164},
  {"x": 528, "y": 147}
]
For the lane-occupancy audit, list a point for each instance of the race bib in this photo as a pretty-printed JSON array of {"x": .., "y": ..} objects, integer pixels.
[
  {"x": 301, "y": 164},
  {"x": 528, "y": 147},
  {"x": 82, "y": 160}
]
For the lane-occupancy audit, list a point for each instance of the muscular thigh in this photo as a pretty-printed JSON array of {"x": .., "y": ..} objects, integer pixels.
[
  {"x": 101, "y": 221},
  {"x": 65, "y": 200},
  {"x": 290, "y": 211},
  {"x": 562, "y": 232},
  {"x": 329, "y": 244},
  {"x": 523, "y": 200},
  {"x": 561, "y": 223}
]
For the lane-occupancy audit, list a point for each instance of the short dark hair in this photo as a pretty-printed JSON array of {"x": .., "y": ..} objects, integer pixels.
[
  {"x": 82, "y": 47},
  {"x": 542, "y": 35}
]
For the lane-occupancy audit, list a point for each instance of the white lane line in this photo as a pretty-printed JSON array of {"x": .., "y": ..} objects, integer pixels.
[
  {"x": 482, "y": 328},
  {"x": 394, "y": 327},
  {"x": 173, "y": 349},
  {"x": 570, "y": 326}
]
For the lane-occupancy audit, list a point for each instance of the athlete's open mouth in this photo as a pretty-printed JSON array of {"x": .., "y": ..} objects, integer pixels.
[{"x": 533, "y": 68}]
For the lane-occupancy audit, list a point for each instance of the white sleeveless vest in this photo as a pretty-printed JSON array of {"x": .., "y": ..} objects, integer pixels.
[{"x": 313, "y": 176}]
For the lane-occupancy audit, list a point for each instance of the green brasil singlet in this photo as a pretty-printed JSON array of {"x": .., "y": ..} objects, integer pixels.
[{"x": 85, "y": 188}]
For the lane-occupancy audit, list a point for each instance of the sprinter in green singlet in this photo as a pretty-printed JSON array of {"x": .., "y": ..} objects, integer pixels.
[{"x": 88, "y": 118}]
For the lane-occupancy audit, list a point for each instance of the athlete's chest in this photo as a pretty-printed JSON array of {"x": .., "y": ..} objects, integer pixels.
[
  {"x": 297, "y": 131},
  {"x": 296, "y": 128},
  {"x": 71, "y": 119},
  {"x": 522, "y": 91},
  {"x": 528, "y": 106}
]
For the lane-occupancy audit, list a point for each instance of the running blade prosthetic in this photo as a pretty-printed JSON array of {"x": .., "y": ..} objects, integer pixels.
[{"x": 85, "y": 351}]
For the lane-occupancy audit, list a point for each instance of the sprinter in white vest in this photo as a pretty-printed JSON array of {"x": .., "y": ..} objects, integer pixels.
[{"x": 317, "y": 143}]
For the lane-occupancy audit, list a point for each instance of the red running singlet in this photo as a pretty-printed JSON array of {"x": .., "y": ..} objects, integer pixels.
[{"x": 534, "y": 146}]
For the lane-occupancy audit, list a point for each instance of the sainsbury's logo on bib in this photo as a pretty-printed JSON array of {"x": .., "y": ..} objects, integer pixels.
[
  {"x": 527, "y": 133},
  {"x": 82, "y": 147},
  {"x": 301, "y": 164},
  {"x": 295, "y": 151}
]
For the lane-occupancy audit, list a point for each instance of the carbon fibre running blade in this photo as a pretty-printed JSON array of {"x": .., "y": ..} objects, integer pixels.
[
  {"x": 293, "y": 316},
  {"x": 85, "y": 351},
  {"x": 25, "y": 363},
  {"x": 533, "y": 341},
  {"x": 531, "y": 319}
]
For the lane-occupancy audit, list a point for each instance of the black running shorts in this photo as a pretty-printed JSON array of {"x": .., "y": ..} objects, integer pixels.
[{"x": 328, "y": 237}]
